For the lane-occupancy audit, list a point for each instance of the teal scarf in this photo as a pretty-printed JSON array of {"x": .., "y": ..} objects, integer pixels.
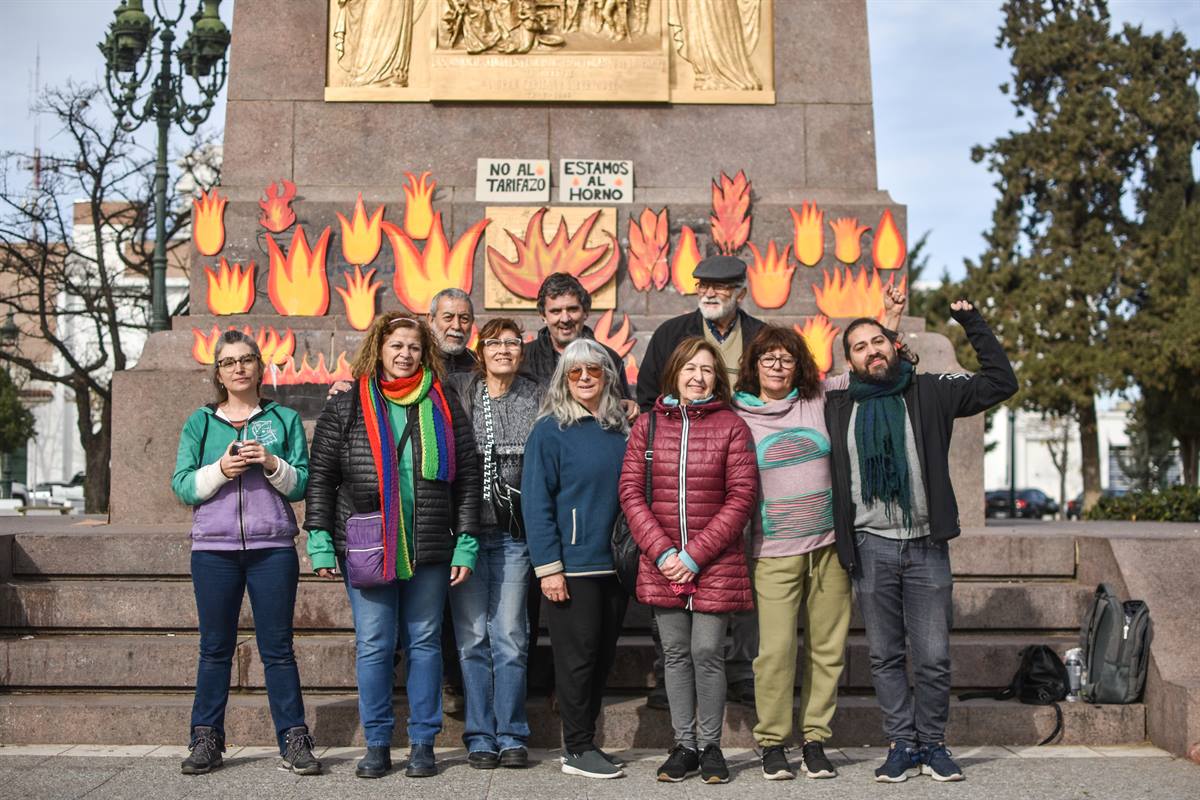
[{"x": 879, "y": 424}]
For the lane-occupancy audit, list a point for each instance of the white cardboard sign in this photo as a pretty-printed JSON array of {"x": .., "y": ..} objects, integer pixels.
[
  {"x": 587, "y": 180},
  {"x": 512, "y": 180}
]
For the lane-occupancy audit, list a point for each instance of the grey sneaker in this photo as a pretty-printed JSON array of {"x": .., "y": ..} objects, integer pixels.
[
  {"x": 298, "y": 753},
  {"x": 590, "y": 764},
  {"x": 206, "y": 752}
]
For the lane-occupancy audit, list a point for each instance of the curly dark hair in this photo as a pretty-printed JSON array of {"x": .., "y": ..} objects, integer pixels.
[
  {"x": 806, "y": 380},
  {"x": 905, "y": 353},
  {"x": 559, "y": 283}
]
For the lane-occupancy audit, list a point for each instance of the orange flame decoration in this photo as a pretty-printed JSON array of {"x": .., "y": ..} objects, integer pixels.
[
  {"x": 631, "y": 370},
  {"x": 277, "y": 214},
  {"x": 620, "y": 341},
  {"x": 361, "y": 238},
  {"x": 473, "y": 339},
  {"x": 888, "y": 251},
  {"x": 731, "y": 206},
  {"x": 770, "y": 276},
  {"x": 422, "y": 274},
  {"x": 297, "y": 285},
  {"x": 687, "y": 256},
  {"x": 208, "y": 222},
  {"x": 809, "y": 226},
  {"x": 318, "y": 373},
  {"x": 537, "y": 258},
  {"x": 230, "y": 290},
  {"x": 649, "y": 240},
  {"x": 418, "y": 205},
  {"x": 274, "y": 348},
  {"x": 847, "y": 239},
  {"x": 819, "y": 334},
  {"x": 359, "y": 298},
  {"x": 843, "y": 296}
]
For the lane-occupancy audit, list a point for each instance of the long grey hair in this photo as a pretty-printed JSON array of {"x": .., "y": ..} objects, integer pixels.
[{"x": 559, "y": 403}]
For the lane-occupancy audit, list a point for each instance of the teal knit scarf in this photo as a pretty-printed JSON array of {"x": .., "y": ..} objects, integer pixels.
[{"x": 879, "y": 424}]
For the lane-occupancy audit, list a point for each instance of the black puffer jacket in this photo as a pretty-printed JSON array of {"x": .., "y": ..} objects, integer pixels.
[{"x": 342, "y": 480}]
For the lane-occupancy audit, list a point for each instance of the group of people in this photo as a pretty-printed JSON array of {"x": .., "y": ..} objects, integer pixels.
[{"x": 758, "y": 495}]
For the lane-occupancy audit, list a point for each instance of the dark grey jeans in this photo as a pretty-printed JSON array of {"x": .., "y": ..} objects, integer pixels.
[{"x": 904, "y": 591}]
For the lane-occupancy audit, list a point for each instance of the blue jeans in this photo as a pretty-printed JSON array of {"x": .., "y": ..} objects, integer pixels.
[
  {"x": 220, "y": 578},
  {"x": 411, "y": 611},
  {"x": 905, "y": 590},
  {"x": 491, "y": 626}
]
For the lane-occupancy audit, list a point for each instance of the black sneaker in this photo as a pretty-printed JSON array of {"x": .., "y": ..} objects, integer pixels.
[
  {"x": 682, "y": 761},
  {"x": 206, "y": 747},
  {"x": 482, "y": 759},
  {"x": 712, "y": 765},
  {"x": 421, "y": 763},
  {"x": 298, "y": 752},
  {"x": 775, "y": 764},
  {"x": 816, "y": 765},
  {"x": 741, "y": 692},
  {"x": 657, "y": 699},
  {"x": 903, "y": 762},
  {"x": 375, "y": 764},
  {"x": 937, "y": 763},
  {"x": 514, "y": 758}
]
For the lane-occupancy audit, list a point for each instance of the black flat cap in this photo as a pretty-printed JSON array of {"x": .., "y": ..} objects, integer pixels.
[{"x": 721, "y": 269}]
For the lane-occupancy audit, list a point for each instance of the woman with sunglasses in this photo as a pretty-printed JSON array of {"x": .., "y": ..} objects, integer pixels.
[
  {"x": 703, "y": 483},
  {"x": 242, "y": 460},
  {"x": 569, "y": 494},
  {"x": 490, "y": 621},
  {"x": 393, "y": 503}
]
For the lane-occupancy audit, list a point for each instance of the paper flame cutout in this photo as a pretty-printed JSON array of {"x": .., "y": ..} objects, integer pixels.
[
  {"x": 844, "y": 296},
  {"x": 359, "y": 298},
  {"x": 687, "y": 256},
  {"x": 230, "y": 290},
  {"x": 418, "y": 205},
  {"x": 631, "y": 370},
  {"x": 421, "y": 274},
  {"x": 277, "y": 214},
  {"x": 620, "y": 340},
  {"x": 313, "y": 373},
  {"x": 770, "y": 276},
  {"x": 297, "y": 284},
  {"x": 274, "y": 348},
  {"x": 809, "y": 226},
  {"x": 208, "y": 223},
  {"x": 819, "y": 334},
  {"x": 888, "y": 250},
  {"x": 649, "y": 241},
  {"x": 847, "y": 244},
  {"x": 361, "y": 238},
  {"x": 731, "y": 218},
  {"x": 536, "y": 258}
]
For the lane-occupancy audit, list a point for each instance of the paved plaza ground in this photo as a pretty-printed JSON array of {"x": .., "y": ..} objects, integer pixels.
[{"x": 152, "y": 773}]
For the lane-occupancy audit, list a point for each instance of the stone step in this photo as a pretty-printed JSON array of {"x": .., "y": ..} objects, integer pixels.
[
  {"x": 152, "y": 552},
  {"x": 142, "y": 718},
  {"x": 1043, "y": 605},
  {"x": 168, "y": 661}
]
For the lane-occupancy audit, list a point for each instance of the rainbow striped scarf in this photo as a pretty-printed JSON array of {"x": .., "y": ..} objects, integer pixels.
[{"x": 435, "y": 429}]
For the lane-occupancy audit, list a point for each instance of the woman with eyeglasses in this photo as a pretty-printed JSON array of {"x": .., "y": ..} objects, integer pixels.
[
  {"x": 569, "y": 496},
  {"x": 393, "y": 504},
  {"x": 703, "y": 483},
  {"x": 490, "y": 620},
  {"x": 242, "y": 460},
  {"x": 797, "y": 577}
]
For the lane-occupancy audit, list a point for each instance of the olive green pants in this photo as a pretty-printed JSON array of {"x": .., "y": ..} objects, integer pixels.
[{"x": 816, "y": 585}]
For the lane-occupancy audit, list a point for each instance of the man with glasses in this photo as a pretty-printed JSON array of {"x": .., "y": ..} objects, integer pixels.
[{"x": 720, "y": 289}]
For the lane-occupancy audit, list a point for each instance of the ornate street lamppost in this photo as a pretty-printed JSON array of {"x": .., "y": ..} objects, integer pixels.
[{"x": 129, "y": 55}]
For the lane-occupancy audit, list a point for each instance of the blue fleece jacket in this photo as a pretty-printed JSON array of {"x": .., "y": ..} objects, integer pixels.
[{"x": 569, "y": 496}]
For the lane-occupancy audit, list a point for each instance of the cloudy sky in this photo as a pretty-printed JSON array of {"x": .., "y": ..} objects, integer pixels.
[{"x": 935, "y": 68}]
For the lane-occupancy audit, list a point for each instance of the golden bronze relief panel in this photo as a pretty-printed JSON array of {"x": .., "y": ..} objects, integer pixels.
[{"x": 678, "y": 51}]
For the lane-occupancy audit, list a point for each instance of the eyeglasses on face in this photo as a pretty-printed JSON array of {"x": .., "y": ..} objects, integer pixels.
[
  {"x": 247, "y": 360},
  {"x": 769, "y": 361},
  {"x": 593, "y": 370},
  {"x": 507, "y": 344},
  {"x": 723, "y": 289}
]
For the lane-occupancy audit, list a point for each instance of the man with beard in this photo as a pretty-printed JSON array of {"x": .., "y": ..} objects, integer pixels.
[
  {"x": 451, "y": 316},
  {"x": 894, "y": 514},
  {"x": 720, "y": 289}
]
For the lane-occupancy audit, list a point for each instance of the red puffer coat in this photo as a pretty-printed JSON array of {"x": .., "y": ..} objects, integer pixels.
[{"x": 711, "y": 453}]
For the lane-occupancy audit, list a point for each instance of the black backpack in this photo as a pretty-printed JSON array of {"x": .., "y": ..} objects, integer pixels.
[
  {"x": 1115, "y": 638},
  {"x": 1041, "y": 680}
]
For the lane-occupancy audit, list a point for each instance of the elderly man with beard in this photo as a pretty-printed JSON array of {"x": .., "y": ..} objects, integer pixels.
[
  {"x": 894, "y": 512},
  {"x": 451, "y": 316},
  {"x": 719, "y": 319}
]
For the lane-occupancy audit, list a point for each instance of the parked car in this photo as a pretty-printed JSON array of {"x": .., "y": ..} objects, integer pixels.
[
  {"x": 1075, "y": 505},
  {"x": 1031, "y": 504}
]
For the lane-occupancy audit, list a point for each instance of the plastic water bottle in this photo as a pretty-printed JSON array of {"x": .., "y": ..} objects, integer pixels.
[{"x": 1074, "y": 665}]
